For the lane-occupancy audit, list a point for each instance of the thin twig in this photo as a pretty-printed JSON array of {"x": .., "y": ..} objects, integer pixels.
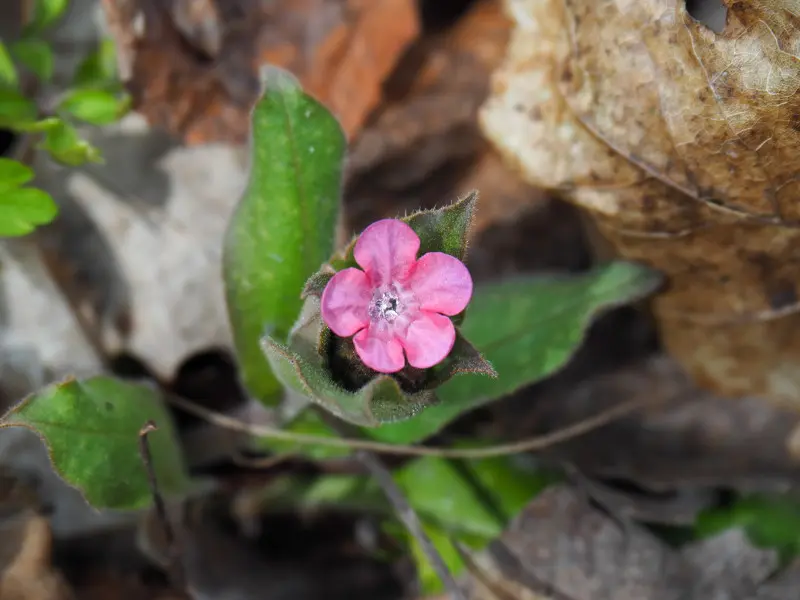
[
  {"x": 527, "y": 445},
  {"x": 406, "y": 514},
  {"x": 175, "y": 568}
]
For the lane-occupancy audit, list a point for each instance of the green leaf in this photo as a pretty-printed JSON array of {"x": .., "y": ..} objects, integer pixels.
[
  {"x": 91, "y": 428},
  {"x": 345, "y": 492},
  {"x": 66, "y": 146},
  {"x": 16, "y": 110},
  {"x": 443, "y": 229},
  {"x": 45, "y": 14},
  {"x": 13, "y": 174},
  {"x": 300, "y": 367},
  {"x": 98, "y": 107},
  {"x": 36, "y": 55},
  {"x": 527, "y": 329},
  {"x": 769, "y": 521},
  {"x": 284, "y": 226},
  {"x": 40, "y": 125},
  {"x": 23, "y": 209},
  {"x": 475, "y": 497},
  {"x": 429, "y": 581},
  {"x": 99, "y": 68},
  {"x": 471, "y": 501},
  {"x": 8, "y": 72}
]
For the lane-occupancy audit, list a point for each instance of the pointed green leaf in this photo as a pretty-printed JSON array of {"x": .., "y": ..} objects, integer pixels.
[
  {"x": 13, "y": 174},
  {"x": 98, "y": 107},
  {"x": 36, "y": 55},
  {"x": 23, "y": 209},
  {"x": 8, "y": 72},
  {"x": 445, "y": 229},
  {"x": 429, "y": 582},
  {"x": 471, "y": 501},
  {"x": 317, "y": 282},
  {"x": 300, "y": 367},
  {"x": 527, "y": 329},
  {"x": 99, "y": 68},
  {"x": 67, "y": 147},
  {"x": 464, "y": 358},
  {"x": 91, "y": 428},
  {"x": 15, "y": 109},
  {"x": 45, "y": 14},
  {"x": 283, "y": 229}
]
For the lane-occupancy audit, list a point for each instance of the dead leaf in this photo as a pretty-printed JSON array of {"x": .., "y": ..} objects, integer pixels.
[
  {"x": 560, "y": 548},
  {"x": 432, "y": 98},
  {"x": 29, "y": 574},
  {"x": 422, "y": 145},
  {"x": 132, "y": 263},
  {"x": 682, "y": 145},
  {"x": 692, "y": 439},
  {"x": 192, "y": 67},
  {"x": 220, "y": 562}
]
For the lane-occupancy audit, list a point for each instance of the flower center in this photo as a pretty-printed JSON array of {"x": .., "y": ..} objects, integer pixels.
[{"x": 385, "y": 304}]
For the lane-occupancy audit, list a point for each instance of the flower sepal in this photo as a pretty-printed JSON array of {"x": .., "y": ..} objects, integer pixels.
[
  {"x": 312, "y": 364},
  {"x": 326, "y": 369}
]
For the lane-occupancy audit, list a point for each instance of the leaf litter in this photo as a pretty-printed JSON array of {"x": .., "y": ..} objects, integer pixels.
[{"x": 721, "y": 184}]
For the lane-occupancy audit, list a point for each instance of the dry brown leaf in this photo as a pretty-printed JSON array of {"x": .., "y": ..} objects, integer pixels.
[
  {"x": 432, "y": 99},
  {"x": 561, "y": 548},
  {"x": 691, "y": 440},
  {"x": 192, "y": 67},
  {"x": 682, "y": 143},
  {"x": 422, "y": 146},
  {"x": 29, "y": 574}
]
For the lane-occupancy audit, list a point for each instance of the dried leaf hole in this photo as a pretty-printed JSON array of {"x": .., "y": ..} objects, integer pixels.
[{"x": 711, "y": 13}]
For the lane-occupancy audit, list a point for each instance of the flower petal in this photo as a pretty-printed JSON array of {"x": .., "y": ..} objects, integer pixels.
[
  {"x": 429, "y": 339},
  {"x": 386, "y": 250},
  {"x": 380, "y": 352},
  {"x": 345, "y": 301},
  {"x": 441, "y": 283}
]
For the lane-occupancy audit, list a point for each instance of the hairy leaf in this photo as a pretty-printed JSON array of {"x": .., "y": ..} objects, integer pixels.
[
  {"x": 301, "y": 367},
  {"x": 91, "y": 428},
  {"x": 527, "y": 329},
  {"x": 283, "y": 229},
  {"x": 440, "y": 230}
]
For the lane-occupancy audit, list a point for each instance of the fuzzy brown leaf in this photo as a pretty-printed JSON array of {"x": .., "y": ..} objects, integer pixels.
[{"x": 682, "y": 144}]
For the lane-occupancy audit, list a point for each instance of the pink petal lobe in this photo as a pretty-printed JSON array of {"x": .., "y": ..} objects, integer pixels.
[
  {"x": 345, "y": 301},
  {"x": 441, "y": 283},
  {"x": 429, "y": 339},
  {"x": 379, "y": 352},
  {"x": 386, "y": 250}
]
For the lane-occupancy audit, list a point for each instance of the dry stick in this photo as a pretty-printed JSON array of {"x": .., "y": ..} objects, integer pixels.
[
  {"x": 175, "y": 569},
  {"x": 530, "y": 444},
  {"x": 406, "y": 514},
  {"x": 410, "y": 519}
]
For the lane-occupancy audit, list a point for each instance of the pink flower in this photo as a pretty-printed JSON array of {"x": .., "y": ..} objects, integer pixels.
[{"x": 397, "y": 303}]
